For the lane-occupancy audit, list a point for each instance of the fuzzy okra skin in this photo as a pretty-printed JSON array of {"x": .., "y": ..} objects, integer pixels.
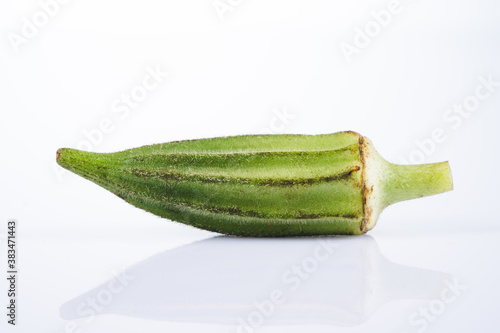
[{"x": 261, "y": 185}]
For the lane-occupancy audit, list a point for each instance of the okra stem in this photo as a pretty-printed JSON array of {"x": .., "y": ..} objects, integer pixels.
[{"x": 406, "y": 182}]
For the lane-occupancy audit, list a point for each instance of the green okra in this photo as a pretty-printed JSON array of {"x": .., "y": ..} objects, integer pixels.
[{"x": 262, "y": 185}]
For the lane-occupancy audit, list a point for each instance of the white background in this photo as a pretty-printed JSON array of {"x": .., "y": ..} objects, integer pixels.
[{"x": 230, "y": 73}]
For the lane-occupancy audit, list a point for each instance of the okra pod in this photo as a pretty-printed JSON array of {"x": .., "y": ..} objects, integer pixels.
[{"x": 262, "y": 185}]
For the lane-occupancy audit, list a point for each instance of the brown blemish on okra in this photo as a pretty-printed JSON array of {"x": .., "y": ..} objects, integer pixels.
[
  {"x": 367, "y": 211},
  {"x": 266, "y": 182}
]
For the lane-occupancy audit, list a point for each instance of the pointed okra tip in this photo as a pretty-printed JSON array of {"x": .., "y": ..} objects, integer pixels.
[
  {"x": 74, "y": 159},
  {"x": 58, "y": 154},
  {"x": 62, "y": 156},
  {"x": 68, "y": 158}
]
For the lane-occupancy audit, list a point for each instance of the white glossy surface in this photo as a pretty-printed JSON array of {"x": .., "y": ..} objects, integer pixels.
[
  {"x": 271, "y": 66},
  {"x": 219, "y": 284}
]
